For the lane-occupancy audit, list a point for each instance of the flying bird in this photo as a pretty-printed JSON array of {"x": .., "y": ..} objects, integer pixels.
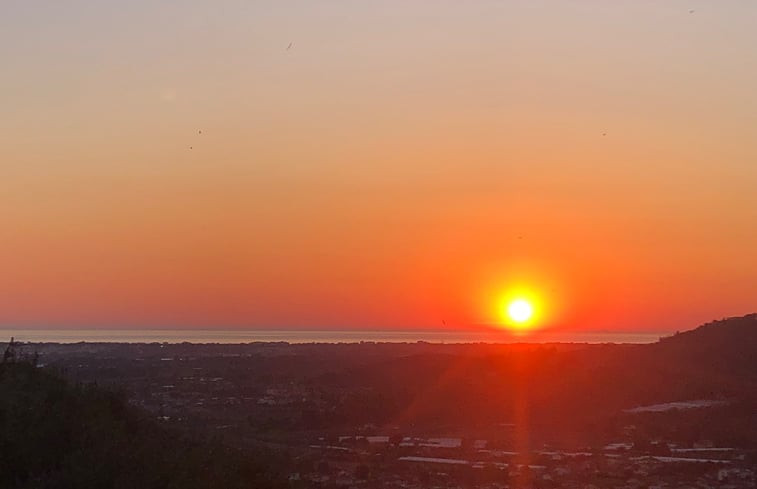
[{"x": 290, "y": 46}]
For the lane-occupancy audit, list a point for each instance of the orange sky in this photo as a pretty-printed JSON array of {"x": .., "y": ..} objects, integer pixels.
[{"x": 399, "y": 166}]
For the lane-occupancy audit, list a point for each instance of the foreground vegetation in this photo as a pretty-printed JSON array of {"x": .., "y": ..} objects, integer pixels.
[{"x": 54, "y": 434}]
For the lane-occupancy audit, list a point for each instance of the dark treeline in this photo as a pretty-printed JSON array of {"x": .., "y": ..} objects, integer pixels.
[{"x": 57, "y": 435}]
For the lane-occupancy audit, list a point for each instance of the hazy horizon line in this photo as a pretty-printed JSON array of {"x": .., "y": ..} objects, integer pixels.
[{"x": 323, "y": 329}]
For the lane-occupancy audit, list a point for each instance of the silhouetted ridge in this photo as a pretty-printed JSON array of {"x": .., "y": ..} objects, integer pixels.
[
  {"x": 725, "y": 331},
  {"x": 727, "y": 346}
]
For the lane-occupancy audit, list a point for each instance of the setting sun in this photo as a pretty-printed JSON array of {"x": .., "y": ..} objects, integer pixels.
[{"x": 520, "y": 310}]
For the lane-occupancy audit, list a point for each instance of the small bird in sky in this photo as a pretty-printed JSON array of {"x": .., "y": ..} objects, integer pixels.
[
  {"x": 691, "y": 11},
  {"x": 190, "y": 147},
  {"x": 199, "y": 132},
  {"x": 290, "y": 46},
  {"x": 604, "y": 134}
]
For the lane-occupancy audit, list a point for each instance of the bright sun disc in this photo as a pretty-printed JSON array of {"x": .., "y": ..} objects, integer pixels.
[{"x": 520, "y": 310}]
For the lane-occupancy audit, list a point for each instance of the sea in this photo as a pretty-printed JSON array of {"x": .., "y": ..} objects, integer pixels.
[{"x": 316, "y": 336}]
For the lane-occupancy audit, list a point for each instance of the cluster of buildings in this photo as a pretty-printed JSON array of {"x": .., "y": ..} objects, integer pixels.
[{"x": 451, "y": 463}]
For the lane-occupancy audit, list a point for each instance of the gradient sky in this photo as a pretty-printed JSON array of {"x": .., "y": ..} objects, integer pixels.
[{"x": 402, "y": 164}]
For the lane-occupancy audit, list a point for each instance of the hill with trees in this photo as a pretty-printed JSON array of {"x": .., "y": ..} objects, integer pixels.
[{"x": 57, "y": 435}]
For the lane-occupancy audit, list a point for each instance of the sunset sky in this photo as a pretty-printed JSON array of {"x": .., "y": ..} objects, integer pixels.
[{"x": 387, "y": 164}]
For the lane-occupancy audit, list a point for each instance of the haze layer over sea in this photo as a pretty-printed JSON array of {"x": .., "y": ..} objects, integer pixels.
[{"x": 313, "y": 336}]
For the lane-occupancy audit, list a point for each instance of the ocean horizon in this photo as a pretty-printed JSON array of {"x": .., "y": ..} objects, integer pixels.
[{"x": 319, "y": 336}]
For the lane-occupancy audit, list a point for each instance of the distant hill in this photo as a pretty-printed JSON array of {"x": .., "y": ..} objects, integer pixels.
[
  {"x": 57, "y": 435},
  {"x": 728, "y": 346},
  {"x": 741, "y": 329},
  {"x": 715, "y": 360}
]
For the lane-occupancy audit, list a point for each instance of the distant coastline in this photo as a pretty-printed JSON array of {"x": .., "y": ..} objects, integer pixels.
[{"x": 313, "y": 336}]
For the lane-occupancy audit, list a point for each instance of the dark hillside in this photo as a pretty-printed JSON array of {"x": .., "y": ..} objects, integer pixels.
[
  {"x": 53, "y": 434},
  {"x": 728, "y": 346}
]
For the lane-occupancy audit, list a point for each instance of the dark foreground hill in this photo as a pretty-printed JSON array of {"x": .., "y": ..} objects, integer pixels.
[{"x": 57, "y": 435}]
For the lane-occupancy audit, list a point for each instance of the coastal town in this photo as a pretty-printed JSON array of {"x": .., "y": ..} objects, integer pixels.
[{"x": 385, "y": 461}]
